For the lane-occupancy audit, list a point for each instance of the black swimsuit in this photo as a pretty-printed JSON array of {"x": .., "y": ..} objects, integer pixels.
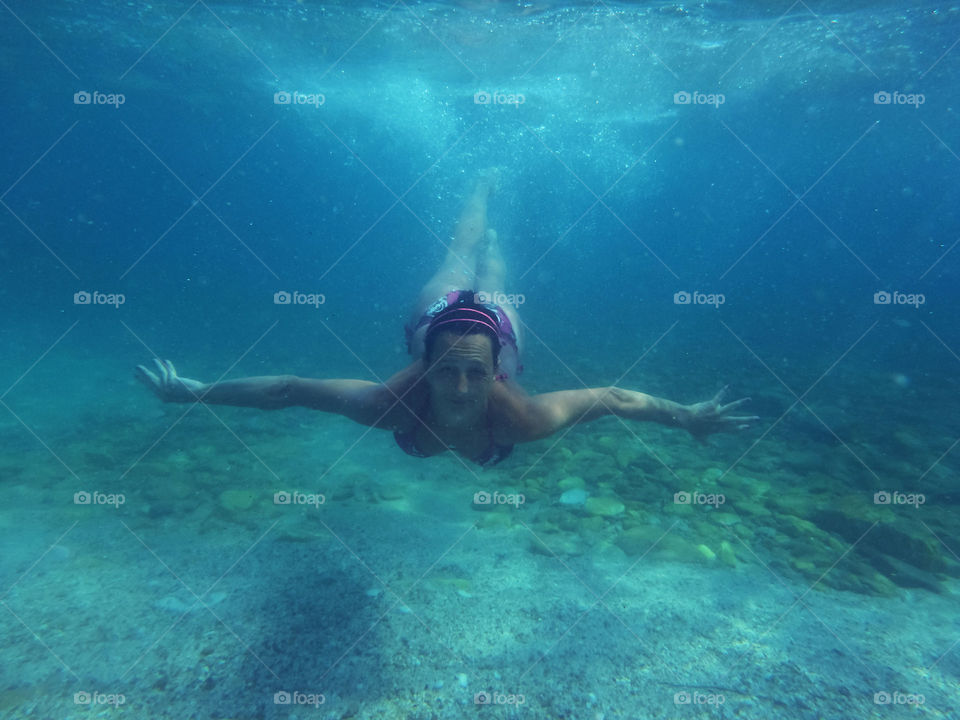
[{"x": 491, "y": 456}]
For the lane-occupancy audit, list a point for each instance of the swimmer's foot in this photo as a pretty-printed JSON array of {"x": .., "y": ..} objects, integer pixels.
[{"x": 489, "y": 178}]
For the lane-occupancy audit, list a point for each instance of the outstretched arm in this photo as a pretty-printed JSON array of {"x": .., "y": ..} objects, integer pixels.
[
  {"x": 369, "y": 403},
  {"x": 545, "y": 414}
]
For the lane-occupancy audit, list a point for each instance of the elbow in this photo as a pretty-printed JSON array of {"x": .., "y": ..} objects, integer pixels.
[
  {"x": 615, "y": 399},
  {"x": 282, "y": 393}
]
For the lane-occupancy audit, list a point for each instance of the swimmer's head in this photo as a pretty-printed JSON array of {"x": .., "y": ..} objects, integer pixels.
[{"x": 462, "y": 318}]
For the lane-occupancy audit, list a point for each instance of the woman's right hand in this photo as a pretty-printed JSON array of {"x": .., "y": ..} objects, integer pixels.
[{"x": 167, "y": 385}]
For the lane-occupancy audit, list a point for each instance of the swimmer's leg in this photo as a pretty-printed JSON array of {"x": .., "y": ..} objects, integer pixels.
[
  {"x": 491, "y": 269},
  {"x": 491, "y": 280},
  {"x": 459, "y": 268}
]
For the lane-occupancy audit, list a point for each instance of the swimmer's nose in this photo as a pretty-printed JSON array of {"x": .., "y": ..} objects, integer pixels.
[{"x": 462, "y": 384}]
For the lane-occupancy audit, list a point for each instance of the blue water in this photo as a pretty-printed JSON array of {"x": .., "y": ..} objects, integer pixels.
[{"x": 811, "y": 178}]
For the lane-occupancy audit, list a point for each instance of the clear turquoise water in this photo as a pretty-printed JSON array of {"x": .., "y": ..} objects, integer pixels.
[{"x": 824, "y": 178}]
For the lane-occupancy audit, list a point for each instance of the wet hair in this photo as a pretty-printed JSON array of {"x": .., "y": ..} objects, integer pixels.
[{"x": 464, "y": 317}]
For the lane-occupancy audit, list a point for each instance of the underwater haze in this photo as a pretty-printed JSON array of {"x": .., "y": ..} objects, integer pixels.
[{"x": 760, "y": 195}]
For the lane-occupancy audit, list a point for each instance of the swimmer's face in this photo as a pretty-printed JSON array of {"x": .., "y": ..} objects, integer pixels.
[{"x": 460, "y": 377}]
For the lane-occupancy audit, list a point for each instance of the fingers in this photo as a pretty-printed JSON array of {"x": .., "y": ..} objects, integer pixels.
[
  {"x": 161, "y": 371},
  {"x": 721, "y": 394},
  {"x": 167, "y": 371},
  {"x": 159, "y": 381},
  {"x": 146, "y": 377},
  {"x": 732, "y": 406}
]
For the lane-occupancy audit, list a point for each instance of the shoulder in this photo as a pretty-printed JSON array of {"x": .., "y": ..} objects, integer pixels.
[
  {"x": 399, "y": 398},
  {"x": 513, "y": 417}
]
